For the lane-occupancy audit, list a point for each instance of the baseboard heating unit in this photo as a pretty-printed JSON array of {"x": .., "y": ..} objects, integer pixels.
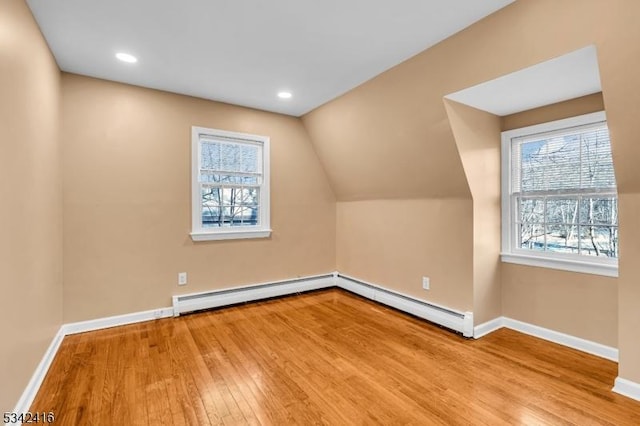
[
  {"x": 461, "y": 322},
  {"x": 217, "y": 298}
]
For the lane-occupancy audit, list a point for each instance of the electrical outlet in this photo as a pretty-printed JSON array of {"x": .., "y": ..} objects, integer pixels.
[
  {"x": 425, "y": 283},
  {"x": 182, "y": 278}
]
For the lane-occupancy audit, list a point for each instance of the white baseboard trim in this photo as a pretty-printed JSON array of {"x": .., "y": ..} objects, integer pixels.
[
  {"x": 488, "y": 327},
  {"x": 29, "y": 394},
  {"x": 447, "y": 317},
  {"x": 115, "y": 321},
  {"x": 287, "y": 287},
  {"x": 627, "y": 388},
  {"x": 578, "y": 343},
  {"x": 456, "y": 320}
]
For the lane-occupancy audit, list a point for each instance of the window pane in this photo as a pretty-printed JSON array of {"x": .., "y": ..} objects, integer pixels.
[
  {"x": 597, "y": 163},
  {"x": 599, "y": 241},
  {"x": 228, "y": 207},
  {"x": 210, "y": 196},
  {"x": 211, "y": 212},
  {"x": 532, "y": 236},
  {"x": 562, "y": 210},
  {"x": 562, "y": 162},
  {"x": 530, "y": 167},
  {"x": 579, "y": 160},
  {"x": 210, "y": 156},
  {"x": 233, "y": 214},
  {"x": 550, "y": 164},
  {"x": 600, "y": 211},
  {"x": 531, "y": 210},
  {"x": 562, "y": 238},
  {"x": 229, "y": 196},
  {"x": 248, "y": 196},
  {"x": 229, "y": 157},
  {"x": 250, "y": 158},
  {"x": 253, "y": 216}
]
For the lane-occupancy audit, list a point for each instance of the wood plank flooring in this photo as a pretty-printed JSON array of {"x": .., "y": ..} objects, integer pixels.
[{"x": 326, "y": 357}]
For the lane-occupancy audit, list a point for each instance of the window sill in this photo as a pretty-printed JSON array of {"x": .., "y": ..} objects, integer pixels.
[
  {"x": 230, "y": 235},
  {"x": 607, "y": 270}
]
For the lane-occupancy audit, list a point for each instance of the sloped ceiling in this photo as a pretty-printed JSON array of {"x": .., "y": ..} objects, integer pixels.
[{"x": 390, "y": 137}]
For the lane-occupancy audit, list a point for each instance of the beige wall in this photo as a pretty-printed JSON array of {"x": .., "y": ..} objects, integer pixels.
[
  {"x": 477, "y": 136},
  {"x": 570, "y": 108},
  {"x": 629, "y": 286},
  {"x": 126, "y": 158},
  {"x": 30, "y": 194},
  {"x": 389, "y": 242},
  {"x": 389, "y": 137},
  {"x": 580, "y": 305}
]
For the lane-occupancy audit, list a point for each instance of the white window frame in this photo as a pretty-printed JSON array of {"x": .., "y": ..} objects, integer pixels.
[
  {"x": 511, "y": 253},
  {"x": 200, "y": 233}
]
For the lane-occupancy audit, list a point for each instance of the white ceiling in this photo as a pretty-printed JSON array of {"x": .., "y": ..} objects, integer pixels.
[
  {"x": 559, "y": 79},
  {"x": 244, "y": 51}
]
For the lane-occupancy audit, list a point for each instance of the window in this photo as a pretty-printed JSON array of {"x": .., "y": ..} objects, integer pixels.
[
  {"x": 230, "y": 185},
  {"x": 559, "y": 198}
]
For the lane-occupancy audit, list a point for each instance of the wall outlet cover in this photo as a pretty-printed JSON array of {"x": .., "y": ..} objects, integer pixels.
[
  {"x": 425, "y": 283},
  {"x": 182, "y": 278}
]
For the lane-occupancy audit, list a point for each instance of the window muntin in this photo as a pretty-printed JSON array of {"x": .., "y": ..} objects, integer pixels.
[
  {"x": 230, "y": 180},
  {"x": 584, "y": 225},
  {"x": 559, "y": 192}
]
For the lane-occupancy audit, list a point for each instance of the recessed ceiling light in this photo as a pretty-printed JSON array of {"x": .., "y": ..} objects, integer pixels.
[
  {"x": 125, "y": 57},
  {"x": 284, "y": 95}
]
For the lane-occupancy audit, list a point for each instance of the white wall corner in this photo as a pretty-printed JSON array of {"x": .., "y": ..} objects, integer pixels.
[
  {"x": 627, "y": 388},
  {"x": 30, "y": 392},
  {"x": 488, "y": 327}
]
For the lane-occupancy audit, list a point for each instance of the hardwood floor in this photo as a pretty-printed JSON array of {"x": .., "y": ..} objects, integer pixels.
[{"x": 327, "y": 357}]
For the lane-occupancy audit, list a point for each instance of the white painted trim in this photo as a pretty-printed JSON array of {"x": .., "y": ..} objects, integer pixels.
[
  {"x": 213, "y": 299},
  {"x": 115, "y": 321},
  {"x": 594, "y": 267},
  {"x": 198, "y": 232},
  {"x": 578, "y": 343},
  {"x": 563, "y": 339},
  {"x": 488, "y": 327},
  {"x": 231, "y": 235},
  {"x": 29, "y": 393},
  {"x": 627, "y": 388},
  {"x": 447, "y": 317},
  {"x": 510, "y": 252},
  {"x": 368, "y": 290}
]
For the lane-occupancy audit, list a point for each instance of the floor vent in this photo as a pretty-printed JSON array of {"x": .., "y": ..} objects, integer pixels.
[{"x": 217, "y": 298}]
